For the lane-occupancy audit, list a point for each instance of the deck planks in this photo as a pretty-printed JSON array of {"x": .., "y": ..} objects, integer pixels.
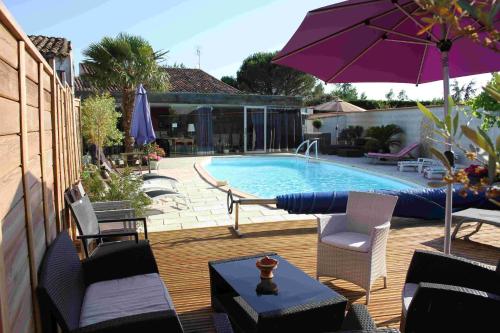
[{"x": 183, "y": 255}]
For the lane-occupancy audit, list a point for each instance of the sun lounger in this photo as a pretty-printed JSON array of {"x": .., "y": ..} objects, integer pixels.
[
  {"x": 417, "y": 165},
  {"x": 403, "y": 153},
  {"x": 491, "y": 217},
  {"x": 435, "y": 171}
]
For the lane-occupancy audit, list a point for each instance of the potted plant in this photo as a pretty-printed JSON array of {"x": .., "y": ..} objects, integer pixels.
[
  {"x": 317, "y": 123},
  {"x": 154, "y": 159}
]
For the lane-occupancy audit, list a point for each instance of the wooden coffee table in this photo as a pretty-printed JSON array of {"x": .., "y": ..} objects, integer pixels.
[{"x": 300, "y": 304}]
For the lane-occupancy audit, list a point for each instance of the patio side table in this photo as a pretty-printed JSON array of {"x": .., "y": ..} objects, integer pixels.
[{"x": 301, "y": 304}]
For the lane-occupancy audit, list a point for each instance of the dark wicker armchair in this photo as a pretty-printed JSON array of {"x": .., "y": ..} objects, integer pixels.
[
  {"x": 444, "y": 293},
  {"x": 89, "y": 225},
  {"x": 116, "y": 291}
]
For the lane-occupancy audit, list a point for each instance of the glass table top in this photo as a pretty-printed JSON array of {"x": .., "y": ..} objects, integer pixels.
[{"x": 294, "y": 286}]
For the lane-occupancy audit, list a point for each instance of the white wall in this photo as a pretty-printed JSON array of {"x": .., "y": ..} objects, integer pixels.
[{"x": 411, "y": 120}]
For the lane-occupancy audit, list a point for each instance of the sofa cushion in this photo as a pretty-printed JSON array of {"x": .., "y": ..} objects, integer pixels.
[
  {"x": 409, "y": 290},
  {"x": 119, "y": 298},
  {"x": 348, "y": 240}
]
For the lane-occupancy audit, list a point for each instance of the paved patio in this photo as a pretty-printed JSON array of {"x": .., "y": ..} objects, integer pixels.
[{"x": 205, "y": 205}]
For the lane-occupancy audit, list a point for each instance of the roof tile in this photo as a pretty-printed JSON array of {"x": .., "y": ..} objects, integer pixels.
[
  {"x": 191, "y": 80},
  {"x": 51, "y": 47}
]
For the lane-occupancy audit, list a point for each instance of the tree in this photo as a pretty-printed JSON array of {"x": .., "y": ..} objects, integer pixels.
[
  {"x": 230, "y": 80},
  {"x": 485, "y": 107},
  {"x": 99, "y": 121},
  {"x": 402, "y": 96},
  {"x": 363, "y": 96},
  {"x": 125, "y": 62},
  {"x": 345, "y": 91},
  {"x": 390, "y": 95},
  {"x": 259, "y": 76},
  {"x": 318, "y": 91},
  {"x": 463, "y": 93},
  {"x": 177, "y": 65}
]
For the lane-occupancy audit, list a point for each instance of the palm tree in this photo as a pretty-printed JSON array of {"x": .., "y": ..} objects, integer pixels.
[
  {"x": 123, "y": 63},
  {"x": 385, "y": 136}
]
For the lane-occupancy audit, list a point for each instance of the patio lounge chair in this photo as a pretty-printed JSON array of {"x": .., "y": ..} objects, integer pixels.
[
  {"x": 117, "y": 291},
  {"x": 417, "y": 165},
  {"x": 435, "y": 172},
  {"x": 89, "y": 226},
  {"x": 352, "y": 246},
  {"x": 481, "y": 216},
  {"x": 403, "y": 153},
  {"x": 157, "y": 187},
  {"x": 444, "y": 293},
  {"x": 108, "y": 166}
]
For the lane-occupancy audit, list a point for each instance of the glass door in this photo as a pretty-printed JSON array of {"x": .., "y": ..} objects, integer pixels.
[{"x": 255, "y": 129}]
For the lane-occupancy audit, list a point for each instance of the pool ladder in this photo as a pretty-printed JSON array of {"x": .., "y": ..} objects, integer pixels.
[{"x": 308, "y": 143}]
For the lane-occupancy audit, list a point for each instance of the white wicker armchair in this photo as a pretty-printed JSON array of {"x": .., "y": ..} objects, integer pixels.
[{"x": 352, "y": 246}]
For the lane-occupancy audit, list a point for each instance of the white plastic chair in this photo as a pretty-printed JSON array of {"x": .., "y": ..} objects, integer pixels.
[{"x": 352, "y": 246}]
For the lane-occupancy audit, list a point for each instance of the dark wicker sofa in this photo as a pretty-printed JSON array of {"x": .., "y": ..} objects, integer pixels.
[
  {"x": 117, "y": 290},
  {"x": 444, "y": 293}
]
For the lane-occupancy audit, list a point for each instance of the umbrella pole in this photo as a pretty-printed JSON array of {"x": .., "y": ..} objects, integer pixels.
[{"x": 449, "y": 189}]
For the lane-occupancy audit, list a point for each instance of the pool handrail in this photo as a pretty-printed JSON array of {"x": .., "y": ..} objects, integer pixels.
[{"x": 308, "y": 143}]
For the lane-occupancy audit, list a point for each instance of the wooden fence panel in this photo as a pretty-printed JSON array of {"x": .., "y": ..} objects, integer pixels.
[{"x": 40, "y": 145}]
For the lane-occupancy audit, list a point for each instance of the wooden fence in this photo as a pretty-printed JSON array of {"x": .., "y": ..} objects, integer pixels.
[{"x": 40, "y": 149}]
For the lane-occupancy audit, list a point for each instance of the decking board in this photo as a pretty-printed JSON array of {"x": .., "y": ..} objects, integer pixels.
[{"x": 183, "y": 258}]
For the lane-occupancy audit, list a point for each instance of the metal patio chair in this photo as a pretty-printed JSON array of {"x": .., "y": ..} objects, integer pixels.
[{"x": 90, "y": 230}]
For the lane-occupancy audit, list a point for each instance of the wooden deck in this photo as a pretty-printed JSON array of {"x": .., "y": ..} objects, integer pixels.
[{"x": 183, "y": 255}]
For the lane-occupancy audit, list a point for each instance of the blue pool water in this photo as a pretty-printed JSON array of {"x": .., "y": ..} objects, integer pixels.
[{"x": 267, "y": 177}]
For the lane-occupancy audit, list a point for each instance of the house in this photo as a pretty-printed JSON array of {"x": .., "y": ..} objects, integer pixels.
[
  {"x": 58, "y": 53},
  {"x": 202, "y": 115}
]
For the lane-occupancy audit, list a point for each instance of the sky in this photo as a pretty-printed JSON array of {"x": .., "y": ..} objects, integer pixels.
[{"x": 225, "y": 31}]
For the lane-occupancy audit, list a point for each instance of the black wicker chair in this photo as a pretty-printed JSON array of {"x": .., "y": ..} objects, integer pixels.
[
  {"x": 444, "y": 293},
  {"x": 73, "y": 294},
  {"x": 88, "y": 225}
]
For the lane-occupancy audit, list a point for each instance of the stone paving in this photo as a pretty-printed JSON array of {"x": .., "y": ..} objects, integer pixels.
[{"x": 205, "y": 205}]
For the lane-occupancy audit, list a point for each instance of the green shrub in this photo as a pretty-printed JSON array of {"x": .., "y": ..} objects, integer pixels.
[
  {"x": 126, "y": 186},
  {"x": 385, "y": 135},
  {"x": 317, "y": 123},
  {"x": 93, "y": 183},
  {"x": 351, "y": 133},
  {"x": 371, "y": 146}
]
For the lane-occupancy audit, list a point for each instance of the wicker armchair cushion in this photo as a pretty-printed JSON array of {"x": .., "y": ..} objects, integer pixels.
[
  {"x": 120, "y": 298},
  {"x": 348, "y": 240},
  {"x": 409, "y": 290}
]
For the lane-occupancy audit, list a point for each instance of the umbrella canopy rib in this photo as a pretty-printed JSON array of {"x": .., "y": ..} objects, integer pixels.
[
  {"x": 347, "y": 65},
  {"x": 336, "y": 34},
  {"x": 424, "y": 54},
  {"x": 417, "y": 22},
  {"x": 393, "y": 32},
  {"x": 375, "y": 43}
]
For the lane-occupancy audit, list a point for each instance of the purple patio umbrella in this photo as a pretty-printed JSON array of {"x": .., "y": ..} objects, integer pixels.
[
  {"x": 141, "y": 128},
  {"x": 378, "y": 41}
]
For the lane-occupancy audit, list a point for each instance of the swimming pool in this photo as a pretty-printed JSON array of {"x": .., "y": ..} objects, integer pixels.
[{"x": 267, "y": 176}]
